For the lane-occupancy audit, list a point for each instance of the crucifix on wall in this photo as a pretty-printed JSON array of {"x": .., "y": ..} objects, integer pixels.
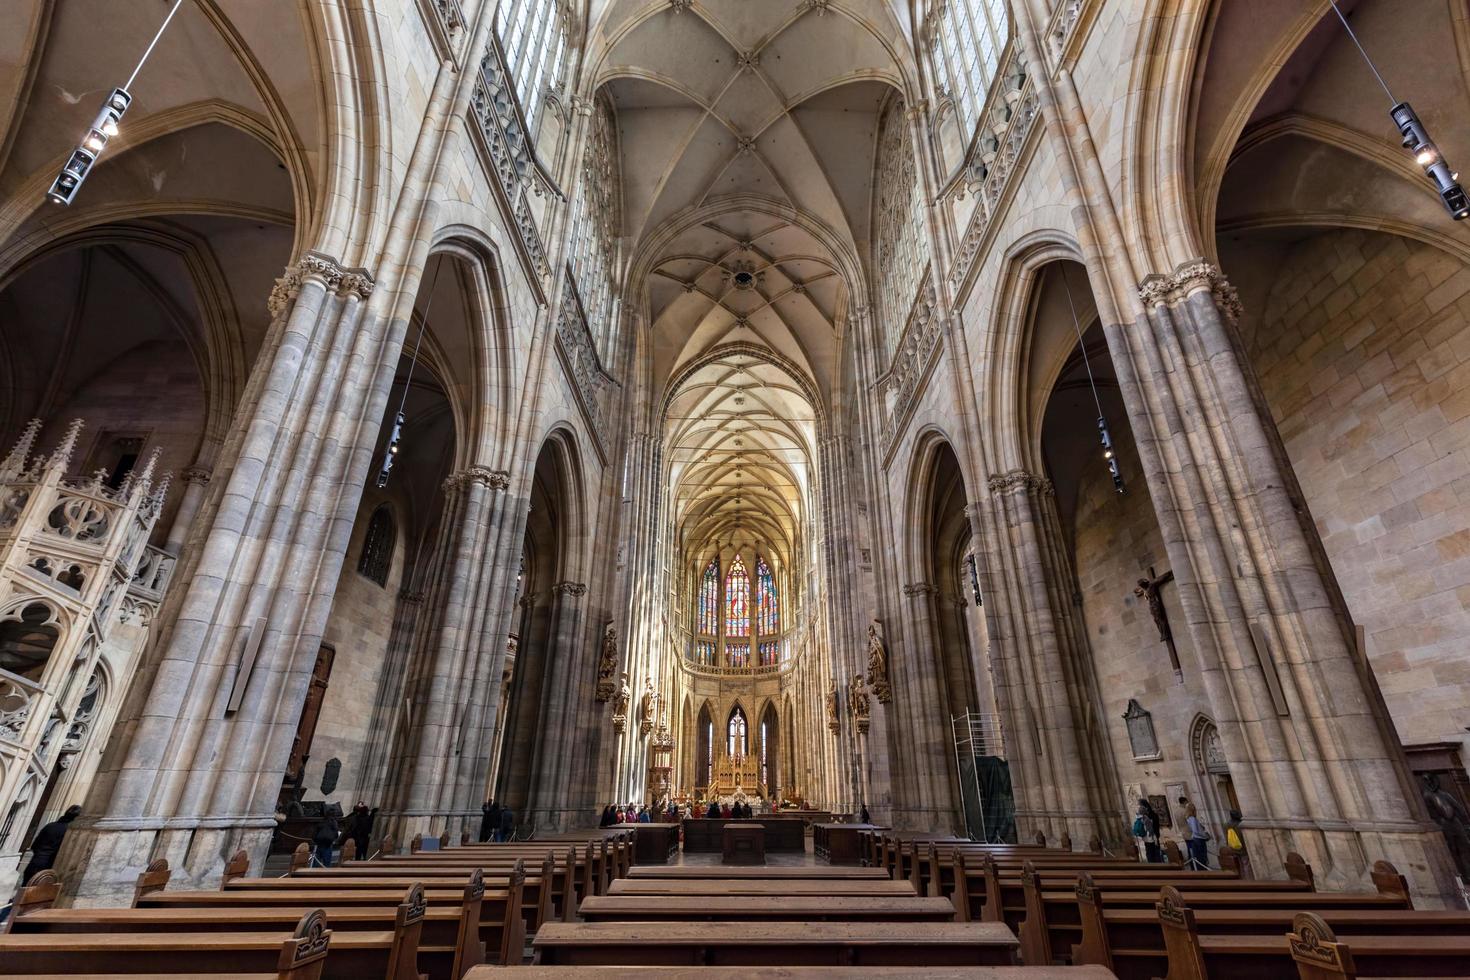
[{"x": 1151, "y": 591}]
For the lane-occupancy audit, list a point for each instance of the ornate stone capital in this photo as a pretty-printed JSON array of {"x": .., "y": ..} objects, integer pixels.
[
  {"x": 1019, "y": 479},
  {"x": 919, "y": 589},
  {"x": 410, "y": 597},
  {"x": 324, "y": 268},
  {"x": 1189, "y": 278},
  {"x": 195, "y": 474},
  {"x": 570, "y": 588}
]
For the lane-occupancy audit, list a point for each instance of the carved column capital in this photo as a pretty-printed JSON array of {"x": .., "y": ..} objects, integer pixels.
[
  {"x": 327, "y": 270},
  {"x": 570, "y": 588},
  {"x": 1018, "y": 479},
  {"x": 1189, "y": 278},
  {"x": 195, "y": 474},
  {"x": 410, "y": 597},
  {"x": 914, "y": 589},
  {"x": 483, "y": 475}
]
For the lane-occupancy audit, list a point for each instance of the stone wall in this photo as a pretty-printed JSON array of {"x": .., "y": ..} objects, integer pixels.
[
  {"x": 1362, "y": 346},
  {"x": 359, "y": 629}
]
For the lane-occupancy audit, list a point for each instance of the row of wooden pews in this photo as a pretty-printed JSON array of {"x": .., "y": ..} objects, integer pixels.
[
  {"x": 437, "y": 915},
  {"x": 1159, "y": 920}
]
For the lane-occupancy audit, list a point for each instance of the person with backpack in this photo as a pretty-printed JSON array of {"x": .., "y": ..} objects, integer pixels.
[{"x": 1146, "y": 831}]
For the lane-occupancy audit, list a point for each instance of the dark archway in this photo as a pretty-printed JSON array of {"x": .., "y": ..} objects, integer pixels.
[
  {"x": 948, "y": 546},
  {"x": 543, "y": 631},
  {"x": 768, "y": 749},
  {"x": 704, "y": 727}
]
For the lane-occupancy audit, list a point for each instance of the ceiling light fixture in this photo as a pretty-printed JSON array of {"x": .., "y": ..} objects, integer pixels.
[
  {"x": 64, "y": 188},
  {"x": 1109, "y": 456},
  {"x": 1416, "y": 138},
  {"x": 390, "y": 455}
]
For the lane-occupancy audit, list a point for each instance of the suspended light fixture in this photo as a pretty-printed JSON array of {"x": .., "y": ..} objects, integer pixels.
[
  {"x": 64, "y": 188},
  {"x": 1416, "y": 138},
  {"x": 1110, "y": 457},
  {"x": 390, "y": 454}
]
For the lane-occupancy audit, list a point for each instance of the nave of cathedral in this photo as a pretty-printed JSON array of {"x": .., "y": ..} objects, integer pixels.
[{"x": 1035, "y": 432}]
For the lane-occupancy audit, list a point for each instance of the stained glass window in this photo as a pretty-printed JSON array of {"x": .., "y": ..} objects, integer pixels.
[
  {"x": 737, "y": 741},
  {"x": 770, "y": 652},
  {"x": 704, "y": 652},
  {"x": 768, "y": 605},
  {"x": 737, "y": 600},
  {"x": 967, "y": 45},
  {"x": 738, "y": 654},
  {"x": 708, "y": 614}
]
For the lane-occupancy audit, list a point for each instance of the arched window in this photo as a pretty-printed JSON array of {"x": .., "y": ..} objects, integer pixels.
[
  {"x": 27, "y": 637},
  {"x": 737, "y": 600},
  {"x": 737, "y": 743},
  {"x": 707, "y": 617},
  {"x": 903, "y": 245},
  {"x": 533, "y": 35},
  {"x": 770, "y": 652},
  {"x": 768, "y": 606},
  {"x": 597, "y": 225},
  {"x": 377, "y": 546},
  {"x": 737, "y": 653},
  {"x": 967, "y": 38}
]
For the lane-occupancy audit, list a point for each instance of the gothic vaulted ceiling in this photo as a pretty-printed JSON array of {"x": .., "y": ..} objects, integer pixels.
[{"x": 748, "y": 131}]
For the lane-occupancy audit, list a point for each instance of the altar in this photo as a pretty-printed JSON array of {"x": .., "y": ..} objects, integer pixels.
[{"x": 734, "y": 775}]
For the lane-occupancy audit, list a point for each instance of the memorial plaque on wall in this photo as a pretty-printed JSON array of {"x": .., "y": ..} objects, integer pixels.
[
  {"x": 1141, "y": 738},
  {"x": 331, "y": 774}
]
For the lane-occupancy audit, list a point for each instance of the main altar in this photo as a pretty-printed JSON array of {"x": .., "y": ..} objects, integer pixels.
[{"x": 737, "y": 774}]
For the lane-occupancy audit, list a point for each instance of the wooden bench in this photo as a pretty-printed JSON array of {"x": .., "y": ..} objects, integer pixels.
[
  {"x": 1311, "y": 943},
  {"x": 1129, "y": 940},
  {"x": 790, "y": 908},
  {"x": 760, "y": 887},
  {"x": 300, "y": 955},
  {"x": 790, "y": 973},
  {"x": 885, "y": 944},
  {"x": 453, "y": 948},
  {"x": 537, "y": 901},
  {"x": 1061, "y": 913},
  {"x": 841, "y": 843},
  {"x": 776, "y": 872},
  {"x": 492, "y": 917}
]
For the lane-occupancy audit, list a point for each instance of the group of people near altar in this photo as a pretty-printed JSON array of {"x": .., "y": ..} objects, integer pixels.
[{"x": 614, "y": 814}]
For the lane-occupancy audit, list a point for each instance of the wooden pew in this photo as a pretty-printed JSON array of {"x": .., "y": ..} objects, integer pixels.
[
  {"x": 839, "y": 872},
  {"x": 883, "y": 944},
  {"x": 789, "y": 973},
  {"x": 789, "y": 908},
  {"x": 449, "y": 943},
  {"x": 760, "y": 887},
  {"x": 491, "y": 920},
  {"x": 1196, "y": 956},
  {"x": 301, "y": 955},
  {"x": 1056, "y": 921},
  {"x": 1130, "y": 942},
  {"x": 538, "y": 902}
]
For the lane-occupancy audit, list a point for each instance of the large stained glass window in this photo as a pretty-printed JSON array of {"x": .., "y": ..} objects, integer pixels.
[
  {"x": 737, "y": 653},
  {"x": 770, "y": 652},
  {"x": 708, "y": 613},
  {"x": 768, "y": 606},
  {"x": 737, "y": 600}
]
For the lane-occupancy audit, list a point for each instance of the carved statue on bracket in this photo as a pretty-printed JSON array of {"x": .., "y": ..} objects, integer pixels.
[
  {"x": 646, "y": 707},
  {"x": 857, "y": 704},
  {"x": 878, "y": 663},
  {"x": 620, "y": 707},
  {"x": 607, "y": 665},
  {"x": 834, "y": 720}
]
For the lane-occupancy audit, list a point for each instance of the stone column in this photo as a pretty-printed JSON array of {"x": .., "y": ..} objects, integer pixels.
[
  {"x": 1054, "y": 742},
  {"x": 196, "y": 760},
  {"x": 1313, "y": 752},
  {"x": 195, "y": 480},
  {"x": 560, "y": 795},
  {"x": 445, "y": 763},
  {"x": 385, "y": 728}
]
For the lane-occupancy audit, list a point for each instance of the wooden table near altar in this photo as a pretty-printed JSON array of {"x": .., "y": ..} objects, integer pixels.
[
  {"x": 743, "y": 842},
  {"x": 655, "y": 843},
  {"x": 708, "y": 835},
  {"x": 840, "y": 843}
]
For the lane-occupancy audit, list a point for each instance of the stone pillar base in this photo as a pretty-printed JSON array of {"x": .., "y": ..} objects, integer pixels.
[
  {"x": 98, "y": 866},
  {"x": 1342, "y": 858}
]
